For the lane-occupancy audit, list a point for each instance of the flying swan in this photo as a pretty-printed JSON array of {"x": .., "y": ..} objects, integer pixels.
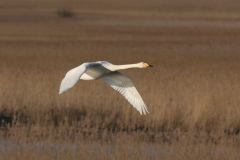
[{"x": 108, "y": 73}]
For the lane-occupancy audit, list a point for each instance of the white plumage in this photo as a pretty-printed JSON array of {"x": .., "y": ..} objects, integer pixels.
[{"x": 108, "y": 73}]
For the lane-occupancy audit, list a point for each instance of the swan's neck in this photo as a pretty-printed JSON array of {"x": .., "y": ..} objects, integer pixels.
[{"x": 126, "y": 66}]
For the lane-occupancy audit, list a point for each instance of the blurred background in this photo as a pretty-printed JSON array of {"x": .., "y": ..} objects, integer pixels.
[{"x": 192, "y": 90}]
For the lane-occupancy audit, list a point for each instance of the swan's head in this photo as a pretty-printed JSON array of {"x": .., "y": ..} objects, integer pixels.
[{"x": 145, "y": 65}]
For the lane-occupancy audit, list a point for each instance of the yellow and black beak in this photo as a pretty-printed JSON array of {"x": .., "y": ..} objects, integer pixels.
[{"x": 148, "y": 65}]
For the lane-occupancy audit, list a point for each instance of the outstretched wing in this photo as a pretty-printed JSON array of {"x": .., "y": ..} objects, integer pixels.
[
  {"x": 125, "y": 86},
  {"x": 73, "y": 76}
]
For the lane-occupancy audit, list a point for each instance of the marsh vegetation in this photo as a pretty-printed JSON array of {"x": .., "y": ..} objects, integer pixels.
[{"x": 192, "y": 90}]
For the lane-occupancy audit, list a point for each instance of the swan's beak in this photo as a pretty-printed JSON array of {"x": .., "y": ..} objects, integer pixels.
[{"x": 148, "y": 65}]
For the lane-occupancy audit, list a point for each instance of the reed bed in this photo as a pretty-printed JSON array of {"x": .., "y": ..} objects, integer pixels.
[
  {"x": 182, "y": 98},
  {"x": 192, "y": 90}
]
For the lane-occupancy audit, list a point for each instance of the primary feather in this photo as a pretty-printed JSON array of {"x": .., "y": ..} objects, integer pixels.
[{"x": 125, "y": 86}]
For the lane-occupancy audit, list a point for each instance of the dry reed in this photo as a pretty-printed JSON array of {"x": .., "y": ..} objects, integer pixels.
[{"x": 192, "y": 90}]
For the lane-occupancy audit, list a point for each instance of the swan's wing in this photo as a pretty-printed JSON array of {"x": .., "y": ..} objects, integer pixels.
[
  {"x": 125, "y": 86},
  {"x": 73, "y": 76}
]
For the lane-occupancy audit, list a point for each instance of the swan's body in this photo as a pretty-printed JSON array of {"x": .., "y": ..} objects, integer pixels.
[{"x": 108, "y": 73}]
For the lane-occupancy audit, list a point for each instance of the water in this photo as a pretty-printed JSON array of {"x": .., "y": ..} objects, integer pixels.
[{"x": 62, "y": 150}]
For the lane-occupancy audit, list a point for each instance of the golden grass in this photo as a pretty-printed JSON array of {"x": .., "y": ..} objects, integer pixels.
[
  {"x": 181, "y": 90},
  {"x": 192, "y": 90}
]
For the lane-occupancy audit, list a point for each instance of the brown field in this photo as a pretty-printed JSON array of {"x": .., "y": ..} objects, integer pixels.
[{"x": 192, "y": 90}]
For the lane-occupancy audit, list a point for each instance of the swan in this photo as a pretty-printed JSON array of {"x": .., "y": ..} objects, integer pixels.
[{"x": 108, "y": 73}]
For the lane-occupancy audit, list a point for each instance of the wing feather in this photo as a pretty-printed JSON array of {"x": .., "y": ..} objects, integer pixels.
[
  {"x": 124, "y": 85},
  {"x": 73, "y": 76}
]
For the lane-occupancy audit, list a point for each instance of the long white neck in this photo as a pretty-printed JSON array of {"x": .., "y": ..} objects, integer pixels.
[{"x": 126, "y": 66}]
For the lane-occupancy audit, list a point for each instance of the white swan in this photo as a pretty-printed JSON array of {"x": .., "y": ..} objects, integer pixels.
[{"x": 108, "y": 73}]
